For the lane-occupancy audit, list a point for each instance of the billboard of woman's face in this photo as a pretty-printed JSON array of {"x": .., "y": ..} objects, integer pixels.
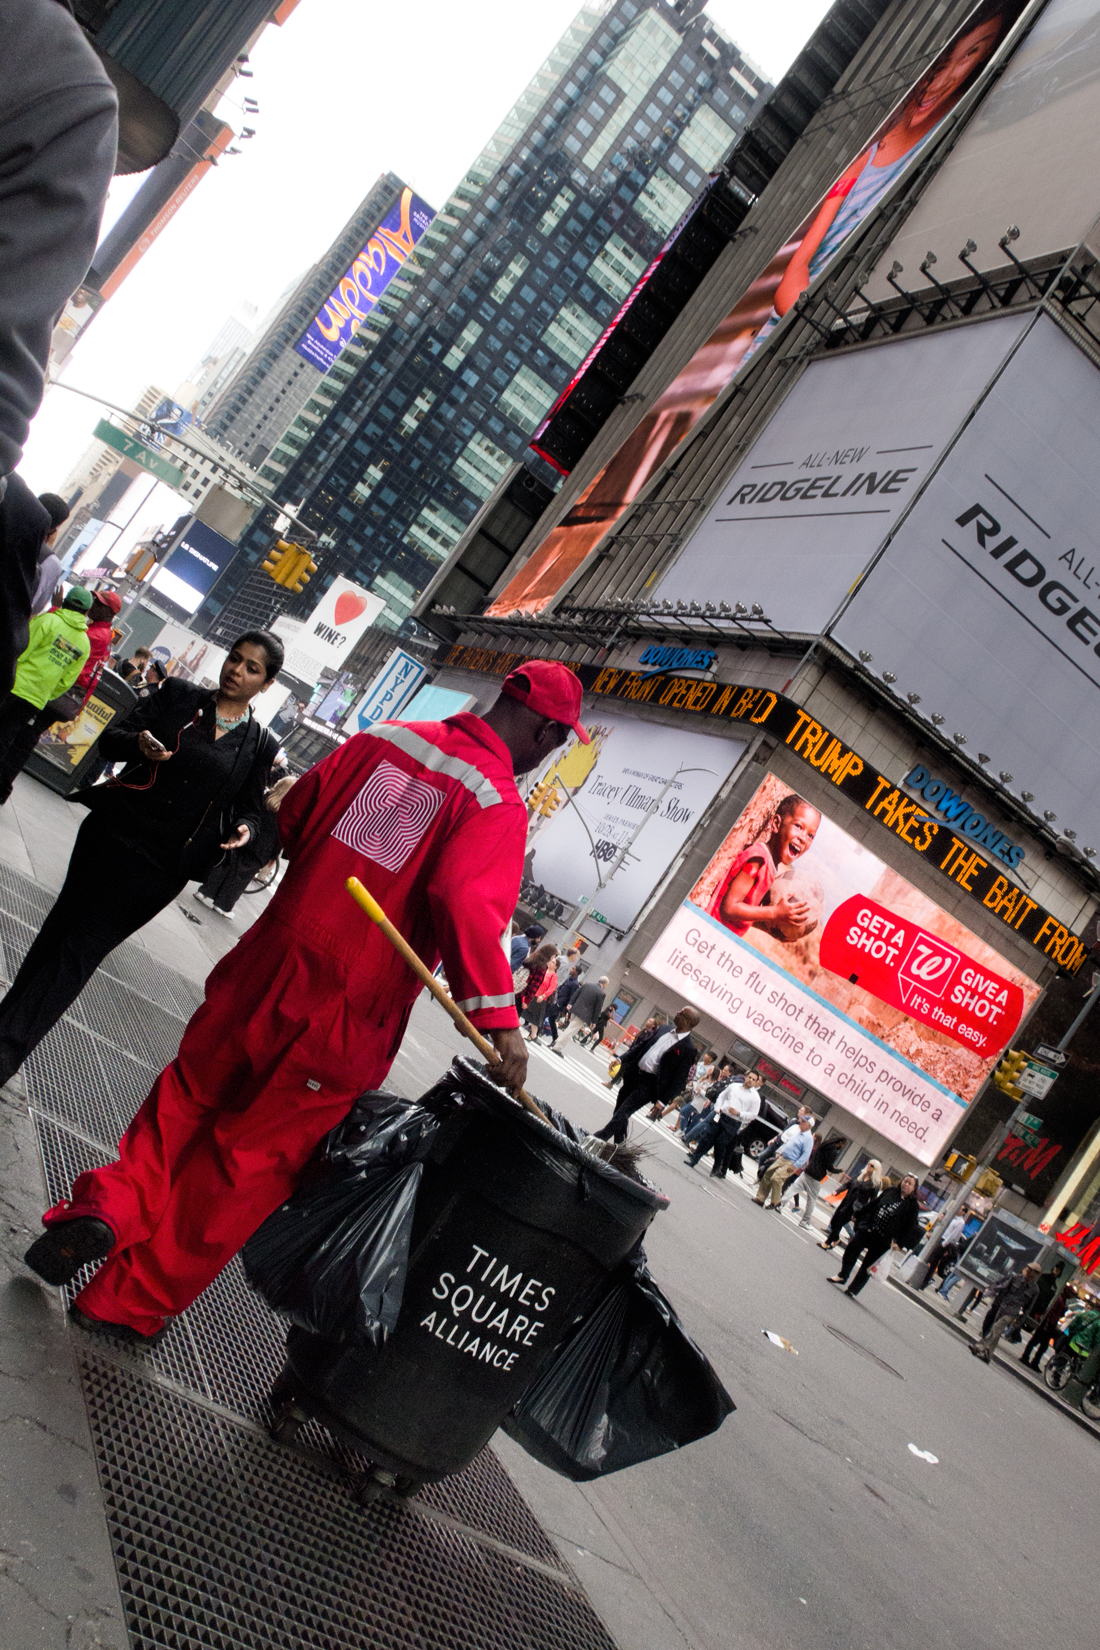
[{"x": 857, "y": 191}]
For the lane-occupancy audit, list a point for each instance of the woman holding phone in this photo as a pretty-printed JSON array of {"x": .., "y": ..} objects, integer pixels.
[{"x": 197, "y": 763}]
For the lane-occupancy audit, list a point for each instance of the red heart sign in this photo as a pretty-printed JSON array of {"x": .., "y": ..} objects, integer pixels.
[{"x": 348, "y": 607}]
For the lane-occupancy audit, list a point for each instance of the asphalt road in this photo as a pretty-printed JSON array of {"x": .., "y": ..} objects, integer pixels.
[{"x": 807, "y": 1521}]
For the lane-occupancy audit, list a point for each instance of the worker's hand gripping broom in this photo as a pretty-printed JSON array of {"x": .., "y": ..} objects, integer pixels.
[{"x": 423, "y": 973}]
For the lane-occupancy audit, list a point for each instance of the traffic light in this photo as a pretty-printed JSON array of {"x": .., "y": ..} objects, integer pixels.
[
  {"x": 988, "y": 1183},
  {"x": 1007, "y": 1074},
  {"x": 302, "y": 571},
  {"x": 290, "y": 565},
  {"x": 275, "y": 559},
  {"x": 543, "y": 800}
]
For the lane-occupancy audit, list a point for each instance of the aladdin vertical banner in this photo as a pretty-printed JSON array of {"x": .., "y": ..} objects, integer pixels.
[
  {"x": 899, "y": 141},
  {"x": 367, "y": 279}
]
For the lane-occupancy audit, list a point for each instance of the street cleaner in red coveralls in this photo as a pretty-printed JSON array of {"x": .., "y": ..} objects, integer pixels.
[{"x": 309, "y": 1008}]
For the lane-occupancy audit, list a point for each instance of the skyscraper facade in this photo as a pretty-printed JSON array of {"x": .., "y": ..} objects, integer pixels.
[
  {"x": 536, "y": 249},
  {"x": 268, "y": 390}
]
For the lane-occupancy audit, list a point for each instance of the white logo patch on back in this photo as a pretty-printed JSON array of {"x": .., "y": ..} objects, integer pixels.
[{"x": 390, "y": 816}]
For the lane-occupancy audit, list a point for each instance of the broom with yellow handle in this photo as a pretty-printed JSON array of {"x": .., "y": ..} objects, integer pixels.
[{"x": 423, "y": 973}]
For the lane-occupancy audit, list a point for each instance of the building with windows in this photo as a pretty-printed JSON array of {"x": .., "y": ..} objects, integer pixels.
[
  {"x": 548, "y": 231},
  {"x": 250, "y": 411},
  {"x": 896, "y": 672}
]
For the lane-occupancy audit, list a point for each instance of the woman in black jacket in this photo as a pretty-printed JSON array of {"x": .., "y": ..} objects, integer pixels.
[
  {"x": 893, "y": 1217},
  {"x": 857, "y": 1194},
  {"x": 196, "y": 765}
]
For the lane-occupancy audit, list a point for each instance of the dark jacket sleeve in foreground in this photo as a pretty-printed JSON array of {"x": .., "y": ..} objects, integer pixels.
[
  {"x": 58, "y": 133},
  {"x": 164, "y": 713}
]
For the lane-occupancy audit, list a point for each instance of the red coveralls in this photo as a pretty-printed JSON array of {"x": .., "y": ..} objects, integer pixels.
[{"x": 308, "y": 1010}]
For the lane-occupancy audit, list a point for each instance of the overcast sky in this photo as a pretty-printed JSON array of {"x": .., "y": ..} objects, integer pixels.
[{"x": 346, "y": 91}]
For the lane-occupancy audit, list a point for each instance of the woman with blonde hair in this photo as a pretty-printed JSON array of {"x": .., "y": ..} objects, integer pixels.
[{"x": 858, "y": 1194}]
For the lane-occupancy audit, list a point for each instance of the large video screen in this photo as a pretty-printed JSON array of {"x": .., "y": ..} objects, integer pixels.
[
  {"x": 821, "y": 956},
  {"x": 361, "y": 286},
  {"x": 901, "y": 138}
]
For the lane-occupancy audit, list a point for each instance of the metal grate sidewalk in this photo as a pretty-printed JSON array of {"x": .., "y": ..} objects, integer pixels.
[{"x": 222, "y": 1538}]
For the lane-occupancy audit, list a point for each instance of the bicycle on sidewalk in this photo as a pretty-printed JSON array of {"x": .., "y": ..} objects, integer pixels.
[{"x": 1065, "y": 1366}]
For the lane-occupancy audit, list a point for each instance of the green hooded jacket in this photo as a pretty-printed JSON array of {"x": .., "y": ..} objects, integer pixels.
[
  {"x": 53, "y": 658},
  {"x": 1084, "y": 1332}
]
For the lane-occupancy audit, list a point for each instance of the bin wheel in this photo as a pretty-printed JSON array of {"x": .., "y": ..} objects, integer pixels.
[
  {"x": 284, "y": 1387},
  {"x": 407, "y": 1488},
  {"x": 288, "y": 1422},
  {"x": 368, "y": 1489}
]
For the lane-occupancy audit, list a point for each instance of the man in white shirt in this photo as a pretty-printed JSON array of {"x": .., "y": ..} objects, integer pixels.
[
  {"x": 655, "y": 1069},
  {"x": 946, "y": 1251},
  {"x": 733, "y": 1111},
  {"x": 791, "y": 1158}
]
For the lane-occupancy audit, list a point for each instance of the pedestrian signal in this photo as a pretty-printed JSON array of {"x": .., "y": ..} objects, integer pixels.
[
  {"x": 290, "y": 565},
  {"x": 1007, "y": 1074},
  {"x": 959, "y": 1165}
]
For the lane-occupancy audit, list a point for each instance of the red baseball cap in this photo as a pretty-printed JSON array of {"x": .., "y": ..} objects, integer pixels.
[
  {"x": 109, "y": 598},
  {"x": 549, "y": 689}
]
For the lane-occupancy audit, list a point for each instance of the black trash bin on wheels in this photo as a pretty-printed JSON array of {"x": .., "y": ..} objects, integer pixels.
[{"x": 516, "y": 1227}]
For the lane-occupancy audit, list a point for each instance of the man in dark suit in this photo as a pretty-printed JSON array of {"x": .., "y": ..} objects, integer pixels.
[{"x": 654, "y": 1071}]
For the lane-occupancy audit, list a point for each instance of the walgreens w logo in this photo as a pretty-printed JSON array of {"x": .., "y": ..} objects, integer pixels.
[{"x": 929, "y": 965}]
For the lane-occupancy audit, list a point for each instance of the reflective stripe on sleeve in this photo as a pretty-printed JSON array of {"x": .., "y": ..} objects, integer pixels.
[
  {"x": 430, "y": 756},
  {"x": 469, "y": 1004}
]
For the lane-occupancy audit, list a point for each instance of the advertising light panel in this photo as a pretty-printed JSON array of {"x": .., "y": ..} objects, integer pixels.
[
  {"x": 393, "y": 686},
  {"x": 198, "y": 557},
  {"x": 364, "y": 282},
  {"x": 987, "y": 600},
  {"x": 1030, "y": 157},
  {"x": 899, "y": 141},
  {"x": 332, "y": 629},
  {"x": 587, "y": 808},
  {"x": 841, "y": 459},
  {"x": 821, "y": 956}
]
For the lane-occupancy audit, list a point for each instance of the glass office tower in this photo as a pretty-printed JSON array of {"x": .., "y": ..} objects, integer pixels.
[{"x": 543, "y": 238}]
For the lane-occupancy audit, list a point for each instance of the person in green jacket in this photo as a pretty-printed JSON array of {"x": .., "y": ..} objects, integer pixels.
[
  {"x": 48, "y": 666},
  {"x": 1084, "y": 1333}
]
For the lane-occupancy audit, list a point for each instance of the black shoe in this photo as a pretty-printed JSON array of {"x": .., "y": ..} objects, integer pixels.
[
  {"x": 718, "y": 1174},
  {"x": 117, "y": 1331},
  {"x": 58, "y": 1255}
]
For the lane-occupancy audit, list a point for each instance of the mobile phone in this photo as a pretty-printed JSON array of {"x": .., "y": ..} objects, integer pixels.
[{"x": 153, "y": 740}]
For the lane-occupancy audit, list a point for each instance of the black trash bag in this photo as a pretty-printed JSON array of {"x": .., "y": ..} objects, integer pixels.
[
  {"x": 629, "y": 1384},
  {"x": 333, "y": 1257}
]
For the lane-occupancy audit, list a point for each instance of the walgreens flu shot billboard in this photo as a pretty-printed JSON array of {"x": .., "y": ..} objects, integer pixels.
[{"x": 803, "y": 943}]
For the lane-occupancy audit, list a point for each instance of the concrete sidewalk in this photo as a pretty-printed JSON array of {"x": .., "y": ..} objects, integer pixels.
[
  {"x": 1007, "y": 1356},
  {"x": 142, "y": 1502}
]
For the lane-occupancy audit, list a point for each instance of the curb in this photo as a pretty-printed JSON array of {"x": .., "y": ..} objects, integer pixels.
[{"x": 1008, "y": 1364}]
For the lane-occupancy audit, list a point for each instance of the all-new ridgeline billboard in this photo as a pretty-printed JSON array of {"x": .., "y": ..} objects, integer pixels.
[
  {"x": 360, "y": 288},
  {"x": 805, "y": 944},
  {"x": 899, "y": 141},
  {"x": 986, "y": 601},
  {"x": 831, "y": 473}
]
